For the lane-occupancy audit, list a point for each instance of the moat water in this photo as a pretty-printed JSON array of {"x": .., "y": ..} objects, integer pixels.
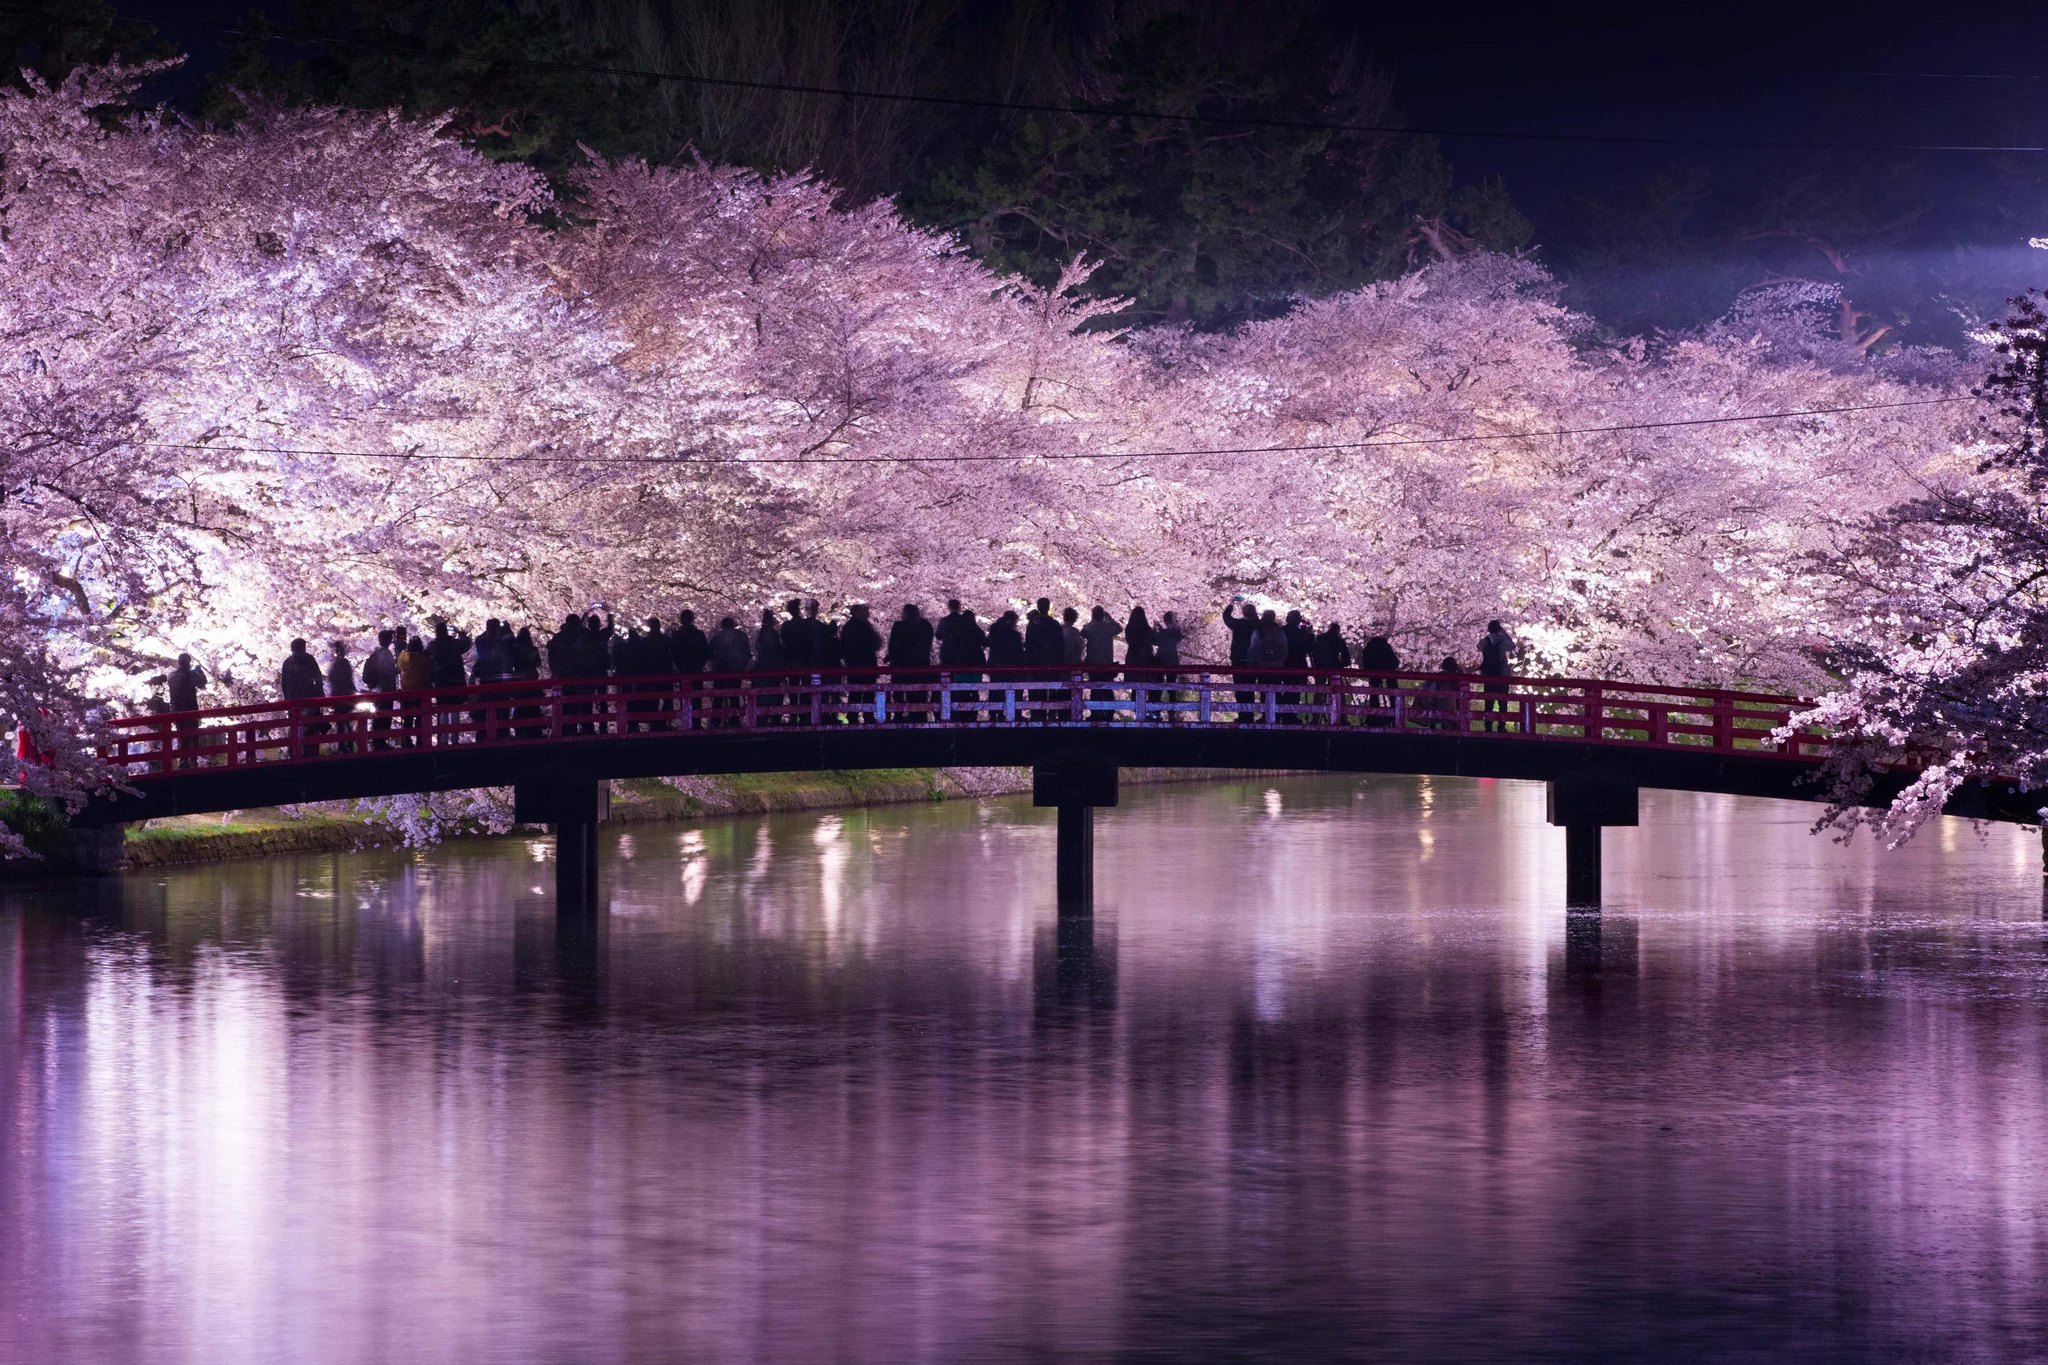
[{"x": 1329, "y": 1076}]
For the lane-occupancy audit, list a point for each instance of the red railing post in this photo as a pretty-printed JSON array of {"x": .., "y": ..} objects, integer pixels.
[{"x": 1596, "y": 713}]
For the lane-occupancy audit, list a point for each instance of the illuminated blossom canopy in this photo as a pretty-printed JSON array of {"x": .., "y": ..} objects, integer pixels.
[
  {"x": 1943, "y": 613},
  {"x": 329, "y": 369}
]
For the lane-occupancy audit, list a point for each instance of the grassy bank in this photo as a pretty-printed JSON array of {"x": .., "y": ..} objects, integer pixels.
[{"x": 263, "y": 833}]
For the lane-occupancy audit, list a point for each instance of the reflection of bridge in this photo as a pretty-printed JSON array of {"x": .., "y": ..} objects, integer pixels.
[{"x": 557, "y": 742}]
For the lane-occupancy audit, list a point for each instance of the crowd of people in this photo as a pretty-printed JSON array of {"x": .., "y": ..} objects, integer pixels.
[{"x": 802, "y": 639}]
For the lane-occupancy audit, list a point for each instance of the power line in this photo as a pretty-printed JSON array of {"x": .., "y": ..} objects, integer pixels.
[
  {"x": 1016, "y": 106},
  {"x": 1309, "y": 448}
]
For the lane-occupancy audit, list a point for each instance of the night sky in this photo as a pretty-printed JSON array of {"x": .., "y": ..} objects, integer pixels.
[{"x": 1933, "y": 228}]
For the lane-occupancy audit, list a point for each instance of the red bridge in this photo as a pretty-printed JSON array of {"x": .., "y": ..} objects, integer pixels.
[{"x": 557, "y": 742}]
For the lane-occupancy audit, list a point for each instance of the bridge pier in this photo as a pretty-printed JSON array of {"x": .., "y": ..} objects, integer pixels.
[
  {"x": 1074, "y": 875},
  {"x": 1585, "y": 803},
  {"x": 575, "y": 806},
  {"x": 1075, "y": 782}
]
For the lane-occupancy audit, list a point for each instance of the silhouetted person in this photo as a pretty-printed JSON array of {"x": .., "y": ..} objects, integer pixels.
[
  {"x": 182, "y": 684},
  {"x": 565, "y": 662},
  {"x": 341, "y": 682},
  {"x": 446, "y": 650},
  {"x": 910, "y": 640},
  {"x": 799, "y": 638},
  {"x": 969, "y": 646},
  {"x": 1377, "y": 655},
  {"x": 300, "y": 680},
  {"x": 1098, "y": 638},
  {"x": 660, "y": 652},
  {"x": 1005, "y": 649},
  {"x": 1166, "y": 638},
  {"x": 415, "y": 668},
  {"x": 860, "y": 644},
  {"x": 493, "y": 659},
  {"x": 1098, "y": 651},
  {"x": 525, "y": 656},
  {"x": 341, "y": 674},
  {"x": 688, "y": 645},
  {"x": 730, "y": 653},
  {"x": 642, "y": 657},
  {"x": 1073, "y": 644},
  {"x": 380, "y": 666},
  {"x": 654, "y": 659},
  {"x": 415, "y": 675},
  {"x": 1496, "y": 660},
  {"x": 944, "y": 631},
  {"x": 491, "y": 663},
  {"x": 1444, "y": 695},
  {"x": 768, "y": 653},
  {"x": 1243, "y": 627},
  {"x": 1330, "y": 652},
  {"x": 300, "y": 677},
  {"x": 824, "y": 636},
  {"x": 629, "y": 653},
  {"x": 1269, "y": 650},
  {"x": 181, "y": 688},
  {"x": 1301, "y": 640},
  {"x": 769, "y": 703},
  {"x": 594, "y": 646},
  {"x": 1043, "y": 647},
  {"x": 910, "y": 646},
  {"x": 1269, "y": 643},
  {"x": 971, "y": 642},
  {"x": 831, "y": 665},
  {"x": 860, "y": 649},
  {"x": 380, "y": 675},
  {"x": 562, "y": 648},
  {"x": 1139, "y": 648},
  {"x": 1005, "y": 642}
]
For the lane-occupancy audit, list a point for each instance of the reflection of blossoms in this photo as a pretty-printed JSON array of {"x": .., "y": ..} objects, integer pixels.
[
  {"x": 705, "y": 791},
  {"x": 984, "y": 781},
  {"x": 425, "y": 818}
]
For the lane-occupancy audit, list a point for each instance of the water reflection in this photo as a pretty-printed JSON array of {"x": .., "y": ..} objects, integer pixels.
[{"x": 1306, "y": 1084}]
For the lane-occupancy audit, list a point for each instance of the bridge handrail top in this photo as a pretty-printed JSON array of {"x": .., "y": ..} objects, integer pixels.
[{"x": 1530, "y": 687}]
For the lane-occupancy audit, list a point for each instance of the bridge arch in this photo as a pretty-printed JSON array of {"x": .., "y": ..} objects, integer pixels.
[{"x": 557, "y": 742}]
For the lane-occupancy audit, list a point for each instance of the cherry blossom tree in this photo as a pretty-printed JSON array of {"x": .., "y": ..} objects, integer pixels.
[
  {"x": 853, "y": 404},
  {"x": 1943, "y": 613},
  {"x": 325, "y": 370},
  {"x": 1419, "y": 479}
]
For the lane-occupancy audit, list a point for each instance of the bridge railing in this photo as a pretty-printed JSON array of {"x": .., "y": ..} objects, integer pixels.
[{"x": 622, "y": 709}]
